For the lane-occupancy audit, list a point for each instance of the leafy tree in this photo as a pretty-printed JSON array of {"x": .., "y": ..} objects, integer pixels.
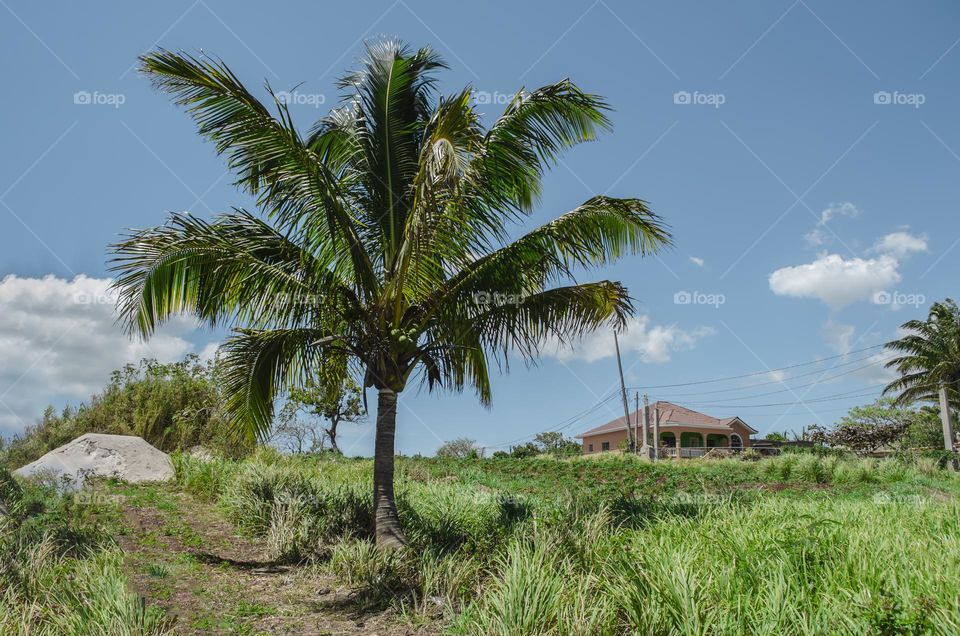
[
  {"x": 172, "y": 406},
  {"x": 386, "y": 239},
  {"x": 460, "y": 448},
  {"x": 867, "y": 428},
  {"x": 777, "y": 437},
  {"x": 929, "y": 356},
  {"x": 925, "y": 430},
  {"x": 556, "y": 444},
  {"x": 329, "y": 402},
  {"x": 524, "y": 451}
]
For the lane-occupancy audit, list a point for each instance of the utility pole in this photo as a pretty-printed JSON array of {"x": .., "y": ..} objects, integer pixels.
[
  {"x": 636, "y": 422},
  {"x": 645, "y": 448},
  {"x": 945, "y": 420},
  {"x": 631, "y": 444},
  {"x": 656, "y": 432}
]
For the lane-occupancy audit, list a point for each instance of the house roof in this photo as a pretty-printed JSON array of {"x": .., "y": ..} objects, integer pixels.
[{"x": 671, "y": 415}]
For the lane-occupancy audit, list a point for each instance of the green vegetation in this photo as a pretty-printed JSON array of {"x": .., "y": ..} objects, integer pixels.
[
  {"x": 883, "y": 424},
  {"x": 795, "y": 544},
  {"x": 461, "y": 448},
  {"x": 928, "y": 356},
  {"x": 60, "y": 570},
  {"x": 172, "y": 406},
  {"x": 325, "y": 405},
  {"x": 385, "y": 242}
]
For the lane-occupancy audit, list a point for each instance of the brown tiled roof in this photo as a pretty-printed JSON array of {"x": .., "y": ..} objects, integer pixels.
[{"x": 670, "y": 414}]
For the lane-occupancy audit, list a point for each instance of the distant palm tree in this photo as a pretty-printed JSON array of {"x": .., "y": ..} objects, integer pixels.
[
  {"x": 388, "y": 241},
  {"x": 930, "y": 356}
]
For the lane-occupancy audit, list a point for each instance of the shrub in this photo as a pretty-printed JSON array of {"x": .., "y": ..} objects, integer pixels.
[
  {"x": 172, "y": 406},
  {"x": 61, "y": 573},
  {"x": 461, "y": 448}
]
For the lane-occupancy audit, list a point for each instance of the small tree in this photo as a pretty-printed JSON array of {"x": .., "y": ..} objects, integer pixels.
[
  {"x": 331, "y": 401},
  {"x": 524, "y": 451},
  {"x": 460, "y": 448},
  {"x": 925, "y": 429},
  {"x": 867, "y": 428},
  {"x": 556, "y": 444}
]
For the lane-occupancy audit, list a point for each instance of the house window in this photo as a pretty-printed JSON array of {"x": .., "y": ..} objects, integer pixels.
[
  {"x": 736, "y": 441},
  {"x": 605, "y": 446},
  {"x": 591, "y": 448}
]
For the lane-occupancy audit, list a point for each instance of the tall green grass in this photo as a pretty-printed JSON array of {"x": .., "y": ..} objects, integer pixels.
[
  {"x": 857, "y": 546},
  {"x": 60, "y": 572}
]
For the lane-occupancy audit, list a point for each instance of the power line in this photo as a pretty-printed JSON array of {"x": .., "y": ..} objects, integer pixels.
[
  {"x": 569, "y": 422},
  {"x": 563, "y": 425},
  {"x": 799, "y": 386},
  {"x": 827, "y": 398},
  {"x": 781, "y": 381},
  {"x": 756, "y": 373}
]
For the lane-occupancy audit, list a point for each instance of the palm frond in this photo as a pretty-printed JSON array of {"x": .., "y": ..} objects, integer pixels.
[
  {"x": 271, "y": 160},
  {"x": 529, "y": 137},
  {"x": 595, "y": 233},
  {"x": 930, "y": 356},
  {"x": 258, "y": 366},
  {"x": 236, "y": 269}
]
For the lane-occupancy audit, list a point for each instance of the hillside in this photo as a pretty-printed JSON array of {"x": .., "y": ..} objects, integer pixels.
[{"x": 278, "y": 544}]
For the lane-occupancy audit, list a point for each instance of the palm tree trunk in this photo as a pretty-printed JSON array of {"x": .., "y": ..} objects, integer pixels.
[{"x": 387, "y": 524}]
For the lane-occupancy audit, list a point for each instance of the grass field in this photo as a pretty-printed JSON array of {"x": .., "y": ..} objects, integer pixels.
[{"x": 796, "y": 544}]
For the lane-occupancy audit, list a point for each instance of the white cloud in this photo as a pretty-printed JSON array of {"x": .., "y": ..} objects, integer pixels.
[
  {"x": 873, "y": 371},
  {"x": 655, "y": 343},
  {"x": 59, "y": 341},
  {"x": 838, "y": 209},
  {"x": 696, "y": 260},
  {"x": 835, "y": 280},
  {"x": 209, "y": 351},
  {"x": 838, "y": 336},
  {"x": 818, "y": 236},
  {"x": 900, "y": 244},
  {"x": 776, "y": 376}
]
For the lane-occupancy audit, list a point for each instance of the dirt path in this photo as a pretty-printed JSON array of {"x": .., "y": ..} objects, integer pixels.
[{"x": 183, "y": 557}]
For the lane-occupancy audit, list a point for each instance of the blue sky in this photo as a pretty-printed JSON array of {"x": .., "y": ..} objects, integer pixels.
[{"x": 805, "y": 154}]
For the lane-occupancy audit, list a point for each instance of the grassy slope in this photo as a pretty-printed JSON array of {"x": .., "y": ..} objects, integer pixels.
[
  {"x": 61, "y": 571},
  {"x": 795, "y": 544},
  {"x": 790, "y": 545}
]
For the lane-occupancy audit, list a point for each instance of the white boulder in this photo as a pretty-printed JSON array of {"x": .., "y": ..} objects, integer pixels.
[{"x": 125, "y": 457}]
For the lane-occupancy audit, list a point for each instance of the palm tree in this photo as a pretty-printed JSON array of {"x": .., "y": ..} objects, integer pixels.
[
  {"x": 384, "y": 239},
  {"x": 930, "y": 356},
  {"x": 930, "y": 363}
]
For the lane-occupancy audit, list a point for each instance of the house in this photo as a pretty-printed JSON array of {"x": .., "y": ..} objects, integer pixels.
[{"x": 683, "y": 432}]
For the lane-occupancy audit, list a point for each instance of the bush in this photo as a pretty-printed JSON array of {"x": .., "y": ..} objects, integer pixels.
[
  {"x": 172, "y": 406},
  {"x": 60, "y": 571},
  {"x": 461, "y": 448}
]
